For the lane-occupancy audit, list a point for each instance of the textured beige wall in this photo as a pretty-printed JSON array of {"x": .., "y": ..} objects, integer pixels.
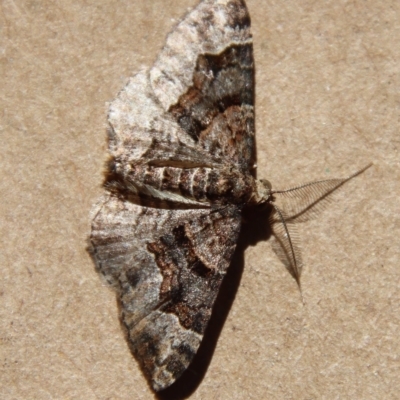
[{"x": 328, "y": 102}]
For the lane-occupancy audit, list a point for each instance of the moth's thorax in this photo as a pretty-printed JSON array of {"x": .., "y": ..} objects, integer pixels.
[
  {"x": 225, "y": 185},
  {"x": 262, "y": 193}
]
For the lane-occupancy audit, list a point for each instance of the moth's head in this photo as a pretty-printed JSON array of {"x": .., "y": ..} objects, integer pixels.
[{"x": 263, "y": 191}]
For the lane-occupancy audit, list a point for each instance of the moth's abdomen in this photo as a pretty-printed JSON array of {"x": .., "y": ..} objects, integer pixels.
[{"x": 210, "y": 185}]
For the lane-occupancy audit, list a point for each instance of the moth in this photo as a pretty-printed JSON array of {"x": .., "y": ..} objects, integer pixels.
[{"x": 181, "y": 170}]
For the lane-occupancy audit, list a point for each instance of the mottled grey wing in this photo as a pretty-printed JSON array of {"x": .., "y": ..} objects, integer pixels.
[
  {"x": 204, "y": 77},
  {"x": 166, "y": 267},
  {"x": 142, "y": 132}
]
